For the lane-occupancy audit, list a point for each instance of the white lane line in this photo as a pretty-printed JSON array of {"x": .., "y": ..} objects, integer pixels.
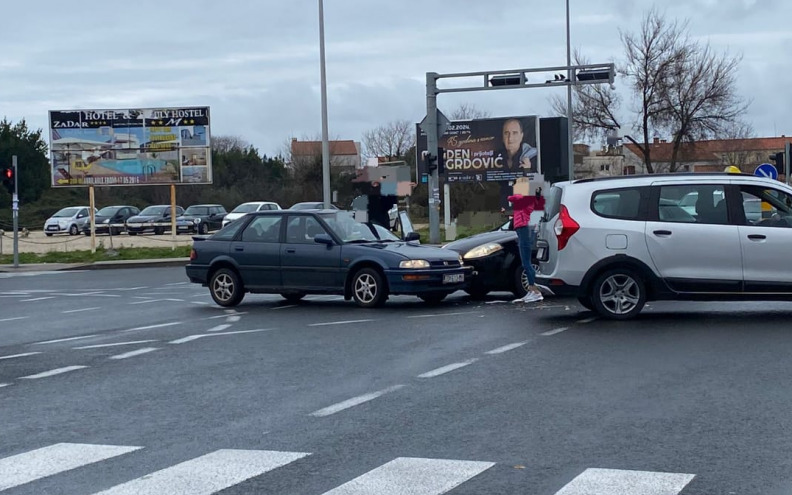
[
  {"x": 287, "y": 306},
  {"x": 233, "y": 319},
  {"x": 506, "y": 348},
  {"x": 589, "y": 320},
  {"x": 77, "y": 294},
  {"x": 37, "y": 299},
  {"x": 158, "y": 325},
  {"x": 79, "y": 310},
  {"x": 200, "y": 303},
  {"x": 173, "y": 300},
  {"x": 219, "y": 328},
  {"x": 207, "y": 474},
  {"x": 134, "y": 353},
  {"x": 30, "y": 466},
  {"x": 553, "y": 332},
  {"x": 56, "y": 371},
  {"x": 142, "y": 297},
  {"x": 446, "y": 369},
  {"x": 190, "y": 338},
  {"x": 147, "y": 301},
  {"x": 347, "y": 322},
  {"x": 595, "y": 481},
  {"x": 222, "y": 316},
  {"x": 116, "y": 344},
  {"x": 16, "y": 318},
  {"x": 445, "y": 314},
  {"x": 19, "y": 355},
  {"x": 354, "y": 401},
  {"x": 415, "y": 476},
  {"x": 105, "y": 295},
  {"x": 4, "y": 385},
  {"x": 68, "y": 339},
  {"x": 177, "y": 283}
]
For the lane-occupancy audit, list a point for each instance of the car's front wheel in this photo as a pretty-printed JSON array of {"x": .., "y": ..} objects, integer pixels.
[
  {"x": 226, "y": 288},
  {"x": 368, "y": 288},
  {"x": 618, "y": 294},
  {"x": 73, "y": 230},
  {"x": 203, "y": 228}
]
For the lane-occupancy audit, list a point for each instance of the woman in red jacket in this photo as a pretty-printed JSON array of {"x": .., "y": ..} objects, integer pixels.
[{"x": 523, "y": 207}]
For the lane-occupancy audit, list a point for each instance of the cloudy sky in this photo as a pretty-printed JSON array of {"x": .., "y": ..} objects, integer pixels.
[{"x": 256, "y": 62}]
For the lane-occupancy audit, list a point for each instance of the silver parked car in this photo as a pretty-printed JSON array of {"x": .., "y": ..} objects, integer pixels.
[
  {"x": 619, "y": 242},
  {"x": 70, "y": 220},
  {"x": 249, "y": 207}
]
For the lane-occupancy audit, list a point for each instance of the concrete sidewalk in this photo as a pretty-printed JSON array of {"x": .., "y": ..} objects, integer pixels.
[{"x": 99, "y": 265}]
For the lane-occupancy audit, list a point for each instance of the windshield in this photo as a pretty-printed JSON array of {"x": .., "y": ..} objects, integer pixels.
[
  {"x": 108, "y": 211},
  {"x": 244, "y": 208},
  {"x": 154, "y": 210},
  {"x": 66, "y": 213},
  {"x": 350, "y": 230},
  {"x": 197, "y": 210}
]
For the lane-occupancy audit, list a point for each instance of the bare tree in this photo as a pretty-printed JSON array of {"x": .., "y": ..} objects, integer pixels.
[
  {"x": 391, "y": 140},
  {"x": 735, "y": 153},
  {"x": 224, "y": 144},
  {"x": 468, "y": 111}
]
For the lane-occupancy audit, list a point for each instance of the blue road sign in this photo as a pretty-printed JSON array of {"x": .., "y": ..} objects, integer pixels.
[{"x": 766, "y": 170}]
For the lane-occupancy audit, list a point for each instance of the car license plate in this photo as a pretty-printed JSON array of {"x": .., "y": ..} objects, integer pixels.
[
  {"x": 52, "y": 227},
  {"x": 133, "y": 225},
  {"x": 454, "y": 278}
]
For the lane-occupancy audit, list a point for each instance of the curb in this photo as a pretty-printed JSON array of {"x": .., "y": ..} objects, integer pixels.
[{"x": 98, "y": 265}]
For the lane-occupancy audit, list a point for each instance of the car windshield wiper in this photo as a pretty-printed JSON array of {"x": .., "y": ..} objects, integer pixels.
[{"x": 360, "y": 241}]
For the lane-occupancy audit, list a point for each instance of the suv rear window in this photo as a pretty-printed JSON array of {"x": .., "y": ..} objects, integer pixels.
[{"x": 624, "y": 204}]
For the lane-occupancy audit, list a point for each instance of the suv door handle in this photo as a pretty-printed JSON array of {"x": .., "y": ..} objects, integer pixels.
[
  {"x": 662, "y": 232},
  {"x": 757, "y": 237},
  {"x": 291, "y": 251},
  {"x": 239, "y": 248}
]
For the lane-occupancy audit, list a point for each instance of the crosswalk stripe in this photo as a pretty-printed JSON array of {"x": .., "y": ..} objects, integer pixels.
[
  {"x": 47, "y": 461},
  {"x": 414, "y": 476},
  {"x": 608, "y": 481},
  {"x": 207, "y": 474}
]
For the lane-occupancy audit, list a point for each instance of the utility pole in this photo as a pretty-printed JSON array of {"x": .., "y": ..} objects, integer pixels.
[
  {"x": 15, "y": 210},
  {"x": 325, "y": 139},
  {"x": 432, "y": 138}
]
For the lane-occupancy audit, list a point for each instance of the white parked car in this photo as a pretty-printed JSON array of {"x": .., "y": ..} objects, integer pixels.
[
  {"x": 69, "y": 220},
  {"x": 245, "y": 208}
]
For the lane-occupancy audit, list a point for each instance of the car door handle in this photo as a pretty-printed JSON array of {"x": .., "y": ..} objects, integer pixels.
[
  {"x": 757, "y": 237},
  {"x": 662, "y": 232},
  {"x": 239, "y": 248},
  {"x": 291, "y": 251}
]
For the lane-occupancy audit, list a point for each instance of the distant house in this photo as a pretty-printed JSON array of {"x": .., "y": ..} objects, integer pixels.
[
  {"x": 343, "y": 154},
  {"x": 701, "y": 156}
]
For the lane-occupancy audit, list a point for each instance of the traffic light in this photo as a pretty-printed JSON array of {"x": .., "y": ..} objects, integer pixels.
[
  {"x": 8, "y": 180},
  {"x": 435, "y": 162},
  {"x": 778, "y": 158}
]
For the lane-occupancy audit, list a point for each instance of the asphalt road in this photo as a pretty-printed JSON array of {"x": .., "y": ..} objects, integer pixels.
[{"x": 133, "y": 382}]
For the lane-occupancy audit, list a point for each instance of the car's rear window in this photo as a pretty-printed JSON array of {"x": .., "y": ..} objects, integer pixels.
[{"x": 624, "y": 204}]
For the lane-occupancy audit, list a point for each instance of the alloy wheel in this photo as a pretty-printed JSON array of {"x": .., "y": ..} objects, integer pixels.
[
  {"x": 366, "y": 288},
  {"x": 620, "y": 294},
  {"x": 223, "y": 287}
]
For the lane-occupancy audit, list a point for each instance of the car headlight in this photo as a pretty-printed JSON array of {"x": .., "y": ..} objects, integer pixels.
[
  {"x": 196, "y": 221},
  {"x": 107, "y": 221},
  {"x": 483, "y": 250},
  {"x": 414, "y": 264}
]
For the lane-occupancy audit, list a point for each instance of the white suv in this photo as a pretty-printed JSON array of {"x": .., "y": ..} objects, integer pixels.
[{"x": 618, "y": 242}]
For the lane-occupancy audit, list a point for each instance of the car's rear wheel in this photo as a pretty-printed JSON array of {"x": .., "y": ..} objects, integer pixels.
[
  {"x": 368, "y": 288},
  {"x": 433, "y": 297},
  {"x": 519, "y": 281},
  {"x": 203, "y": 228},
  {"x": 159, "y": 231},
  {"x": 293, "y": 297},
  {"x": 73, "y": 230},
  {"x": 618, "y": 294},
  {"x": 48, "y": 234},
  {"x": 226, "y": 288}
]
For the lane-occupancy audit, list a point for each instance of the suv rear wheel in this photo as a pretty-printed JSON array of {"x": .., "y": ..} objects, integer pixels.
[{"x": 618, "y": 294}]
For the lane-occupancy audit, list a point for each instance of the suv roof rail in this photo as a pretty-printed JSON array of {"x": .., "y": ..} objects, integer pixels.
[{"x": 678, "y": 174}]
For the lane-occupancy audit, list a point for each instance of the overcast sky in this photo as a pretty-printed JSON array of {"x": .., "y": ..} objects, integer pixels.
[{"x": 256, "y": 62}]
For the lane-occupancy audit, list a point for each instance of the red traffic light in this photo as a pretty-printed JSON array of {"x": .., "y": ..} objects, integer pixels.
[{"x": 9, "y": 173}]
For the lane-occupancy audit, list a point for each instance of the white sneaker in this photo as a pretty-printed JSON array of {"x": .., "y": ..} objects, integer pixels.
[{"x": 532, "y": 297}]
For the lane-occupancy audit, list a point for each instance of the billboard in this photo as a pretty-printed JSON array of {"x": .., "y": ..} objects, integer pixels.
[
  {"x": 487, "y": 150},
  {"x": 142, "y": 146}
]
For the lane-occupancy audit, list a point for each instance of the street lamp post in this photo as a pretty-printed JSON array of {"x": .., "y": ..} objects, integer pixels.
[
  {"x": 325, "y": 142},
  {"x": 570, "y": 78}
]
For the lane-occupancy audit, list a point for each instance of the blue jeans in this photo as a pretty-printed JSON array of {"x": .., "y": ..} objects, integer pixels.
[{"x": 525, "y": 241}]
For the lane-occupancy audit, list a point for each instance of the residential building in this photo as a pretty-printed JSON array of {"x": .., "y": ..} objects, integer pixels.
[{"x": 343, "y": 153}]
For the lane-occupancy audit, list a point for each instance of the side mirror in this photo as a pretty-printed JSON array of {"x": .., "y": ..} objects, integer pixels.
[
  {"x": 413, "y": 236},
  {"x": 324, "y": 239}
]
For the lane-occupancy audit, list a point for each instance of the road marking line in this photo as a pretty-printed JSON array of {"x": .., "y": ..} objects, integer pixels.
[
  {"x": 4, "y": 385},
  {"x": 354, "y": 401},
  {"x": 553, "y": 332},
  {"x": 207, "y": 474},
  {"x": 56, "y": 371},
  {"x": 347, "y": 322},
  {"x": 79, "y": 310},
  {"x": 173, "y": 300},
  {"x": 222, "y": 316},
  {"x": 137, "y": 352},
  {"x": 233, "y": 319},
  {"x": 159, "y": 325},
  {"x": 219, "y": 328},
  {"x": 230, "y": 311},
  {"x": 445, "y": 314},
  {"x": 30, "y": 466},
  {"x": 14, "y": 318},
  {"x": 506, "y": 348},
  {"x": 200, "y": 303},
  {"x": 418, "y": 476},
  {"x": 288, "y": 306},
  {"x": 190, "y": 338},
  {"x": 178, "y": 283},
  {"x": 589, "y": 320},
  {"x": 147, "y": 301},
  {"x": 19, "y": 355},
  {"x": 116, "y": 344},
  {"x": 104, "y": 295},
  {"x": 142, "y": 297},
  {"x": 446, "y": 369},
  {"x": 595, "y": 481},
  {"x": 64, "y": 340},
  {"x": 37, "y": 299}
]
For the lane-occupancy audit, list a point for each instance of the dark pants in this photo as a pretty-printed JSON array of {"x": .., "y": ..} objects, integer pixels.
[{"x": 525, "y": 241}]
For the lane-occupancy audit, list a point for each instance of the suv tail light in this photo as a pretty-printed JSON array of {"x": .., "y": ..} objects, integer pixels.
[
  {"x": 565, "y": 227},
  {"x": 193, "y": 254}
]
